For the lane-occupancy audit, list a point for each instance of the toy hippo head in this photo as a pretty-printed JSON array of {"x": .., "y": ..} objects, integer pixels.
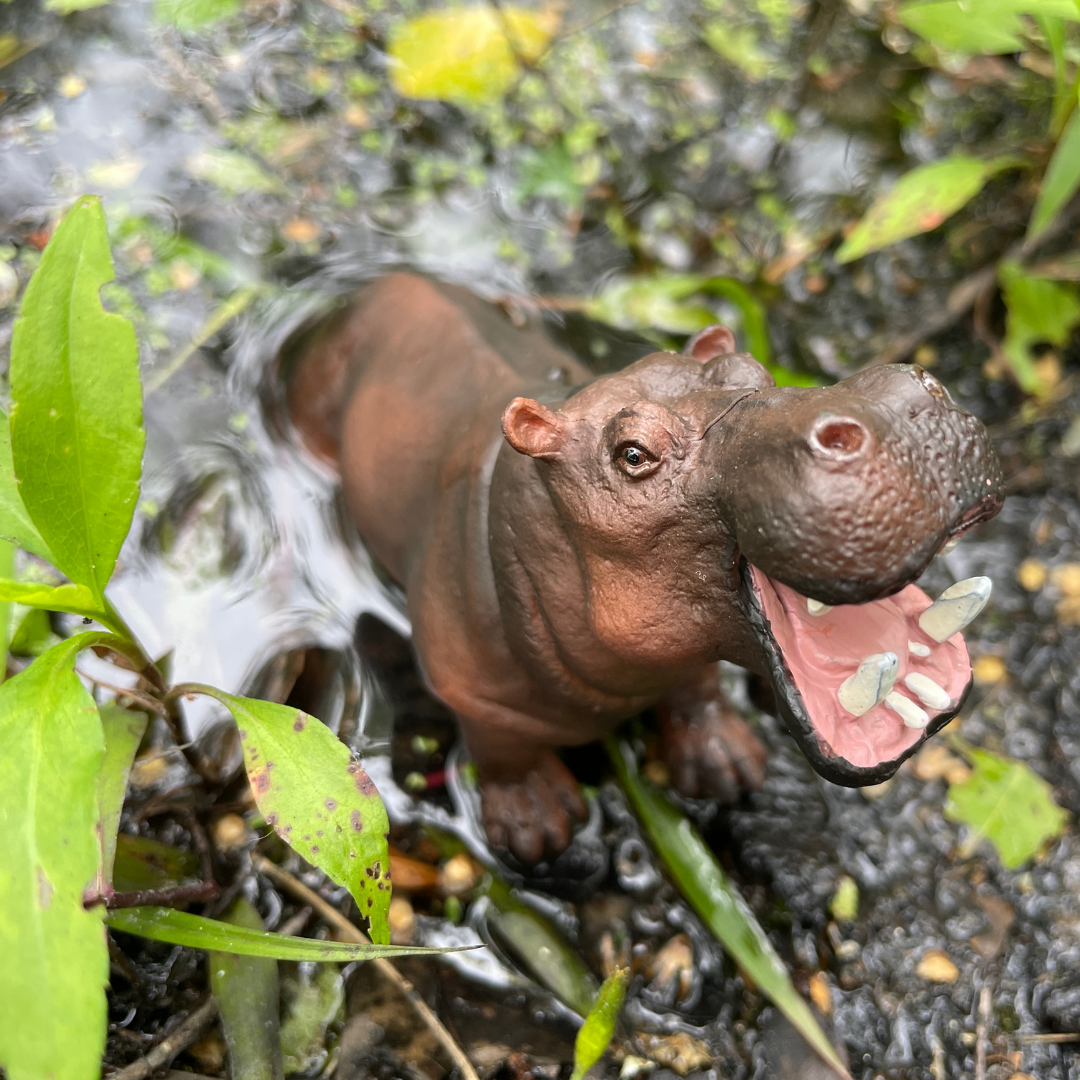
[{"x": 716, "y": 515}]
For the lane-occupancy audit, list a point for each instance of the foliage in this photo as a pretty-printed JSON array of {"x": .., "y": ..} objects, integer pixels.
[
  {"x": 1062, "y": 179},
  {"x": 985, "y": 27},
  {"x": 190, "y": 15},
  {"x": 596, "y": 1033},
  {"x": 708, "y": 890},
  {"x": 469, "y": 56},
  {"x": 921, "y": 200},
  {"x": 68, "y": 489},
  {"x": 1007, "y": 803},
  {"x": 1039, "y": 310},
  {"x": 246, "y": 988}
]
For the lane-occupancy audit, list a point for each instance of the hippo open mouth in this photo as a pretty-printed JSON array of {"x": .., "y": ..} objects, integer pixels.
[{"x": 860, "y": 686}]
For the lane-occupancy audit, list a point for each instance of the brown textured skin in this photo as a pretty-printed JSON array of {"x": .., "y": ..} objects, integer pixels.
[{"x": 557, "y": 587}]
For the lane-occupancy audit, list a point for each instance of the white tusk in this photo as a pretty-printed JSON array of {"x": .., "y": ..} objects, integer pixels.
[
  {"x": 949, "y": 545},
  {"x": 869, "y": 685},
  {"x": 816, "y": 607},
  {"x": 910, "y": 713},
  {"x": 928, "y": 692},
  {"x": 916, "y": 649},
  {"x": 955, "y": 608}
]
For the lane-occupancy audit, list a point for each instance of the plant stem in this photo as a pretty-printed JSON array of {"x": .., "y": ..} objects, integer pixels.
[{"x": 7, "y": 570}]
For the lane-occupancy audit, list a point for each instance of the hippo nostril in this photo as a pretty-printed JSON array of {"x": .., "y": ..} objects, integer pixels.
[{"x": 838, "y": 436}]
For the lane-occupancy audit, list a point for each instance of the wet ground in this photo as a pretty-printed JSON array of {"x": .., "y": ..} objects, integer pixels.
[{"x": 265, "y": 161}]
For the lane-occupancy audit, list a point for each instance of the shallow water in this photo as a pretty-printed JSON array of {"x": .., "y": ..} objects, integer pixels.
[{"x": 273, "y": 142}]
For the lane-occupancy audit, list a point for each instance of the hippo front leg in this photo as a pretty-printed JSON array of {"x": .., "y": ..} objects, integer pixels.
[
  {"x": 710, "y": 750},
  {"x": 529, "y": 799}
]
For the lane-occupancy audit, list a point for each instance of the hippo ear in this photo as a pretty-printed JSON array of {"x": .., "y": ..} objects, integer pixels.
[
  {"x": 533, "y": 429},
  {"x": 712, "y": 341}
]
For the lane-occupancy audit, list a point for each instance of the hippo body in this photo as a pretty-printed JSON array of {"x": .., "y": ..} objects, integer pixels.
[{"x": 576, "y": 549}]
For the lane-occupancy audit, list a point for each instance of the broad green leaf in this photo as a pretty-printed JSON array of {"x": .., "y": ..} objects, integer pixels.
[
  {"x": 1007, "y": 803},
  {"x": 541, "y": 948},
  {"x": 246, "y": 988},
  {"x": 123, "y": 732},
  {"x": 54, "y": 963},
  {"x": 980, "y": 26},
  {"x": 921, "y": 200},
  {"x": 470, "y": 55},
  {"x": 76, "y": 599},
  {"x": 596, "y": 1033},
  {"x": 190, "y": 15},
  {"x": 1037, "y": 311},
  {"x": 314, "y": 1002},
  {"x": 15, "y": 523},
  {"x": 707, "y": 889},
  {"x": 1062, "y": 178},
  {"x": 182, "y": 928},
  {"x": 34, "y": 633},
  {"x": 317, "y": 799},
  {"x": 76, "y": 420},
  {"x": 233, "y": 172}
]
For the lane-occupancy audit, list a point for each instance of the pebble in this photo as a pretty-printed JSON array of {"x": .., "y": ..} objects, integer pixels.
[
  {"x": 229, "y": 831},
  {"x": 936, "y": 966},
  {"x": 402, "y": 921}
]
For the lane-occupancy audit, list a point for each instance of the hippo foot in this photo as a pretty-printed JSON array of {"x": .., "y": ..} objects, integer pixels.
[
  {"x": 711, "y": 751},
  {"x": 534, "y": 814}
]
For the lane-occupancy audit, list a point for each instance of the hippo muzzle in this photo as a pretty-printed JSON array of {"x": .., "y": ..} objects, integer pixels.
[{"x": 839, "y": 498}]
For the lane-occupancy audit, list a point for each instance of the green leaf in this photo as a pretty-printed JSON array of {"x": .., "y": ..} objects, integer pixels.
[
  {"x": 314, "y": 1003},
  {"x": 470, "y": 55},
  {"x": 15, "y": 523},
  {"x": 656, "y": 302},
  {"x": 182, "y": 928},
  {"x": 1061, "y": 181},
  {"x": 34, "y": 633},
  {"x": 706, "y": 887},
  {"x": 318, "y": 800},
  {"x": 76, "y": 599},
  {"x": 921, "y": 200},
  {"x": 1037, "y": 310},
  {"x": 596, "y": 1033},
  {"x": 740, "y": 47},
  {"x": 142, "y": 863},
  {"x": 123, "y": 732},
  {"x": 246, "y": 988},
  {"x": 980, "y": 26},
  {"x": 1007, "y": 803},
  {"x": 76, "y": 422},
  {"x": 54, "y": 963},
  {"x": 66, "y": 7},
  {"x": 188, "y": 15},
  {"x": 541, "y": 948}
]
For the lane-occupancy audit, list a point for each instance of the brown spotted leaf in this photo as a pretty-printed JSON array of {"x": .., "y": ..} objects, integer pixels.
[{"x": 318, "y": 799}]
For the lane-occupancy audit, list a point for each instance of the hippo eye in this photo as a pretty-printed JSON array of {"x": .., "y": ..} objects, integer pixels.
[{"x": 635, "y": 460}]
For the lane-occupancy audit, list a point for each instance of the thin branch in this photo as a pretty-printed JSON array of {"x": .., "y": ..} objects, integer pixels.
[
  {"x": 170, "y": 897},
  {"x": 982, "y": 1032},
  {"x": 181, "y": 1037},
  {"x": 352, "y": 933},
  {"x": 150, "y": 703}
]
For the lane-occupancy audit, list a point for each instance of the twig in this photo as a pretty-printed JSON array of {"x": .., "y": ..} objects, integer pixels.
[
  {"x": 982, "y": 1032},
  {"x": 223, "y": 314},
  {"x": 351, "y": 932},
  {"x": 150, "y": 703},
  {"x": 964, "y": 295},
  {"x": 176, "y": 894},
  {"x": 1051, "y": 1037},
  {"x": 178, "y": 1039}
]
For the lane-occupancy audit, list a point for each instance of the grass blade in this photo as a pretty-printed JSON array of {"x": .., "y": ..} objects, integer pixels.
[
  {"x": 715, "y": 899},
  {"x": 596, "y": 1033},
  {"x": 183, "y": 928},
  {"x": 123, "y": 732}
]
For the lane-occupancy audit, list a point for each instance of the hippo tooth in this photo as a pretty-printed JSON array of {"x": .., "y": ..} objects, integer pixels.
[
  {"x": 869, "y": 685},
  {"x": 910, "y": 713},
  {"x": 928, "y": 692},
  {"x": 816, "y": 607},
  {"x": 916, "y": 649},
  {"x": 955, "y": 608},
  {"x": 949, "y": 545}
]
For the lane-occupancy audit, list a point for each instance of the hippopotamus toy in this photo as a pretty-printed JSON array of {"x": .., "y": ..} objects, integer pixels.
[{"x": 576, "y": 549}]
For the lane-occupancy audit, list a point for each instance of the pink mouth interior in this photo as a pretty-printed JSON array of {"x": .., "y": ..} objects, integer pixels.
[{"x": 821, "y": 651}]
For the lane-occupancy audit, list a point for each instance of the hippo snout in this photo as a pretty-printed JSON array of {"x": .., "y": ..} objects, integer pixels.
[{"x": 845, "y": 493}]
